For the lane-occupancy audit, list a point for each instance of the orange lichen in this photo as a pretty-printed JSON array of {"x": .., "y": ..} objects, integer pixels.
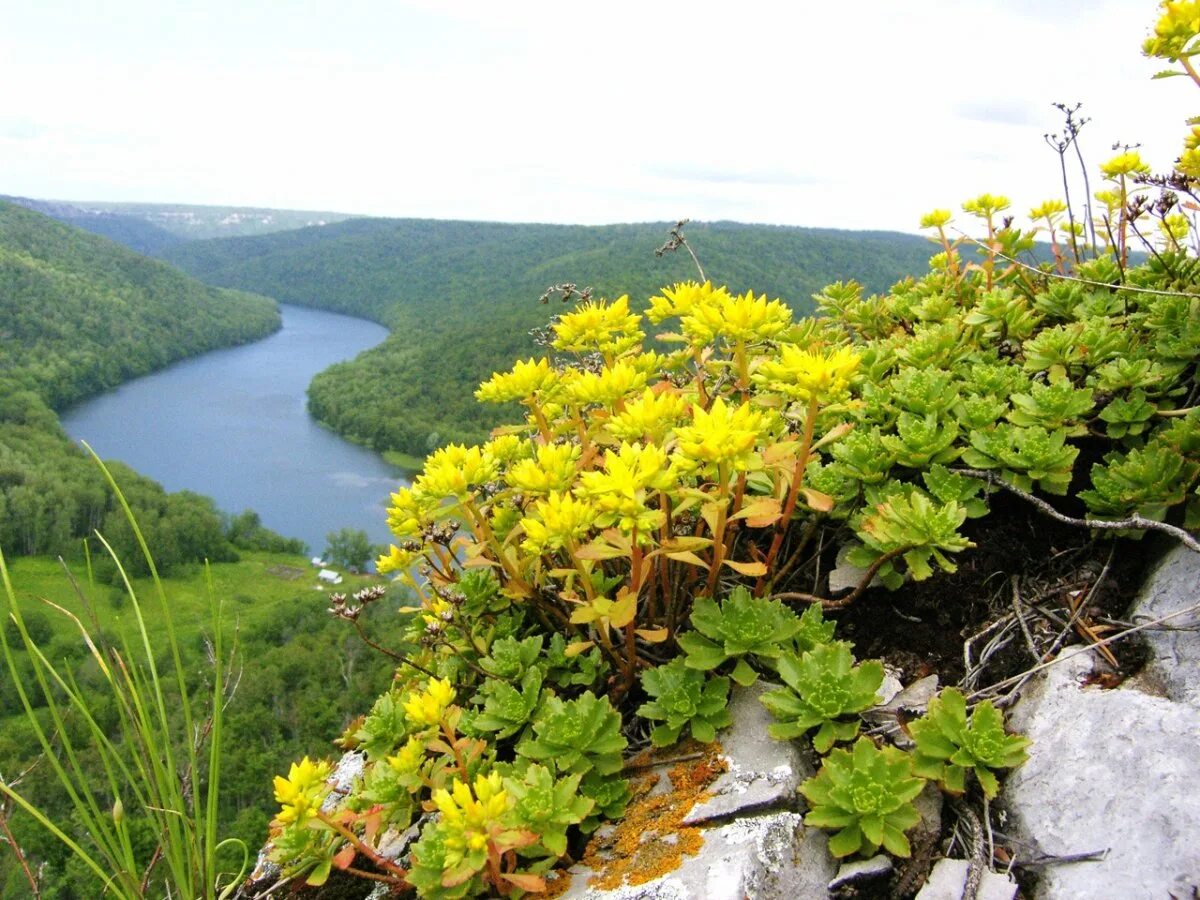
[{"x": 651, "y": 839}]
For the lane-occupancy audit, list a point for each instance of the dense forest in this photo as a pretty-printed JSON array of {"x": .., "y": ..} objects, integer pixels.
[
  {"x": 461, "y": 297},
  {"x": 78, "y": 315}
]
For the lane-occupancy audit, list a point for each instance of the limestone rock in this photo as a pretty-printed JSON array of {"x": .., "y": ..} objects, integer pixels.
[
  {"x": 763, "y": 773},
  {"x": 949, "y": 878},
  {"x": 1173, "y": 585},
  {"x": 862, "y": 870},
  {"x": 1111, "y": 769},
  {"x": 347, "y": 771},
  {"x": 845, "y": 575},
  {"x": 769, "y": 856}
]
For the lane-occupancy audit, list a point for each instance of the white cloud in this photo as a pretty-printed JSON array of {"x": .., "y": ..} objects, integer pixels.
[{"x": 852, "y": 115}]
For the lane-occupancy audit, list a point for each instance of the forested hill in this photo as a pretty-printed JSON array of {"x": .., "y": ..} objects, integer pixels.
[
  {"x": 79, "y": 314},
  {"x": 461, "y": 297}
]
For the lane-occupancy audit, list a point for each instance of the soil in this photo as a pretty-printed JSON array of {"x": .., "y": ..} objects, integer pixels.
[{"x": 920, "y": 628}]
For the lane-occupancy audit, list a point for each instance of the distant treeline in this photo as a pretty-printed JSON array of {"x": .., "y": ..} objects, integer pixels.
[{"x": 461, "y": 298}]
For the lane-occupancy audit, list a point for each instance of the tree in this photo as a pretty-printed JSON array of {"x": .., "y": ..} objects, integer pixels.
[{"x": 349, "y": 548}]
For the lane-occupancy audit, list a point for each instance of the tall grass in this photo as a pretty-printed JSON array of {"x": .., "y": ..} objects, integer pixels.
[{"x": 161, "y": 766}]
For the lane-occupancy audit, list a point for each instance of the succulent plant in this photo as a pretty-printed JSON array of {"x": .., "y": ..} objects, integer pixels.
[
  {"x": 1025, "y": 455},
  {"x": 510, "y": 658},
  {"x": 383, "y": 728},
  {"x": 1052, "y": 406},
  {"x": 948, "y": 487},
  {"x": 1147, "y": 481},
  {"x": 814, "y": 629},
  {"x": 1128, "y": 416},
  {"x": 822, "y": 687},
  {"x": 506, "y": 710},
  {"x": 921, "y": 441},
  {"x": 866, "y": 794},
  {"x": 548, "y": 806},
  {"x": 740, "y": 626},
  {"x": 684, "y": 696},
  {"x": 909, "y": 523},
  {"x": 949, "y": 743},
  {"x": 578, "y": 735}
]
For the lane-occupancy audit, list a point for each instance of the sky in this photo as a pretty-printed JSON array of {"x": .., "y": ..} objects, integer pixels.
[{"x": 834, "y": 114}]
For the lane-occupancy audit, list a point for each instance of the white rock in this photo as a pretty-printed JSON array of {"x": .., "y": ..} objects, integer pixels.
[
  {"x": 1173, "y": 585},
  {"x": 761, "y": 857},
  {"x": 1111, "y": 769},
  {"x": 763, "y": 772},
  {"x": 862, "y": 870},
  {"x": 949, "y": 878},
  {"x": 845, "y": 575}
]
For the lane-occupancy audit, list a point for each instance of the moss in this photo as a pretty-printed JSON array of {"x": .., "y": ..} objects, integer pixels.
[{"x": 651, "y": 839}]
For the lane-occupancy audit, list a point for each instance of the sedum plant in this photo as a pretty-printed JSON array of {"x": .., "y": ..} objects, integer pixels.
[
  {"x": 910, "y": 526},
  {"x": 579, "y": 735},
  {"x": 866, "y": 795},
  {"x": 682, "y": 696},
  {"x": 820, "y": 689},
  {"x": 739, "y": 627},
  {"x": 548, "y": 806},
  {"x": 949, "y": 743}
]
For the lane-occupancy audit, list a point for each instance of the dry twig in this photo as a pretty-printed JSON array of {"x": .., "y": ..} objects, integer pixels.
[{"x": 1133, "y": 523}]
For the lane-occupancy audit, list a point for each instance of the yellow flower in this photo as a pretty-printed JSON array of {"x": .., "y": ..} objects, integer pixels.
[
  {"x": 558, "y": 520},
  {"x": 936, "y": 218},
  {"x": 606, "y": 386},
  {"x": 1189, "y": 162},
  {"x": 1050, "y": 210},
  {"x": 742, "y": 319},
  {"x": 803, "y": 374},
  {"x": 454, "y": 470},
  {"x": 521, "y": 383},
  {"x": 598, "y": 326},
  {"x": 649, "y": 417},
  {"x": 508, "y": 448},
  {"x": 435, "y": 610},
  {"x": 986, "y": 205},
  {"x": 621, "y": 492},
  {"x": 553, "y": 469},
  {"x": 468, "y": 819},
  {"x": 410, "y": 512},
  {"x": 1174, "y": 227},
  {"x": 1111, "y": 200},
  {"x": 1174, "y": 31},
  {"x": 427, "y": 707},
  {"x": 1127, "y": 163},
  {"x": 721, "y": 436},
  {"x": 303, "y": 791},
  {"x": 410, "y": 757},
  {"x": 395, "y": 560},
  {"x": 682, "y": 298}
]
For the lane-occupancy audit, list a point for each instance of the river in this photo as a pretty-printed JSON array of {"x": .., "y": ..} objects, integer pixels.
[{"x": 233, "y": 424}]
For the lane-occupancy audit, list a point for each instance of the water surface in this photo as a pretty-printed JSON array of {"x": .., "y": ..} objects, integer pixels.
[{"x": 232, "y": 424}]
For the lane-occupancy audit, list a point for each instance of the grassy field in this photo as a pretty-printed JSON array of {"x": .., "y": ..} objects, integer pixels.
[{"x": 253, "y": 590}]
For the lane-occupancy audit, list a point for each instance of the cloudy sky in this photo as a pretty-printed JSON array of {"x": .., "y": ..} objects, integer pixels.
[{"x": 844, "y": 114}]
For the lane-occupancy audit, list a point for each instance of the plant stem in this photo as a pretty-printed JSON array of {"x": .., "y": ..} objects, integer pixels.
[
  {"x": 400, "y": 875},
  {"x": 789, "y": 507},
  {"x": 719, "y": 532}
]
